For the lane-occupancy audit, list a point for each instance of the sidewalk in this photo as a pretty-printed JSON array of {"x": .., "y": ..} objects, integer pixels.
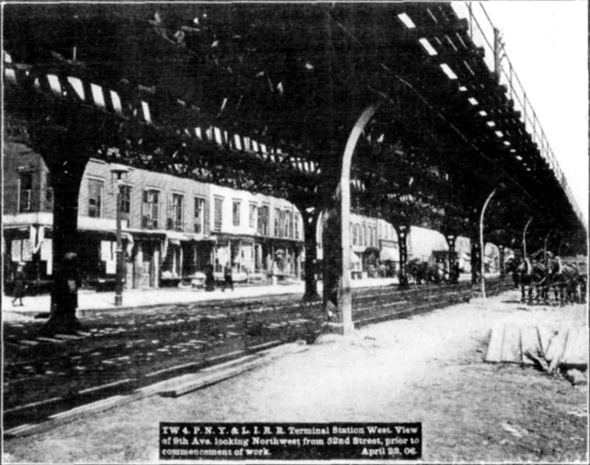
[{"x": 137, "y": 298}]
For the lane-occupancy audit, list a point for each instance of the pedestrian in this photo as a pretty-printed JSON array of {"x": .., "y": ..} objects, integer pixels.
[
  {"x": 73, "y": 281},
  {"x": 227, "y": 274},
  {"x": 209, "y": 279},
  {"x": 20, "y": 285}
]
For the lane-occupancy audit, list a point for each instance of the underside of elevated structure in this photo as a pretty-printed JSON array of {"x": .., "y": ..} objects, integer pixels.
[{"x": 264, "y": 97}]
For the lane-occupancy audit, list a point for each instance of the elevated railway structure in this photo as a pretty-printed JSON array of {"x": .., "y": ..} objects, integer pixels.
[{"x": 395, "y": 102}]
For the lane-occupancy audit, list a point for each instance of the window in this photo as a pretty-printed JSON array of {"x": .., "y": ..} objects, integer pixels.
[
  {"x": 175, "y": 215},
  {"x": 125, "y": 202},
  {"x": 151, "y": 208},
  {"x": 253, "y": 215},
  {"x": 95, "y": 189},
  {"x": 290, "y": 224},
  {"x": 48, "y": 191},
  {"x": 218, "y": 213},
  {"x": 354, "y": 235},
  {"x": 277, "y": 222},
  {"x": 296, "y": 224},
  {"x": 364, "y": 235},
  {"x": 264, "y": 220},
  {"x": 25, "y": 190},
  {"x": 236, "y": 204},
  {"x": 199, "y": 222}
]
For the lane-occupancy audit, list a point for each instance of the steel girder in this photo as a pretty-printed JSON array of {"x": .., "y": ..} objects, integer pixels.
[{"x": 292, "y": 79}]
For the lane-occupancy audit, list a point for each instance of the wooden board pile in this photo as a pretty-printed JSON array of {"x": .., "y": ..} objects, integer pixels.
[{"x": 550, "y": 348}]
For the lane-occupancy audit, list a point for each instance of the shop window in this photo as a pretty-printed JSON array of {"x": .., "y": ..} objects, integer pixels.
[
  {"x": 151, "y": 209},
  {"x": 199, "y": 216},
  {"x": 236, "y": 204},
  {"x": 95, "y": 192},
  {"x": 218, "y": 213},
  {"x": 25, "y": 192}
]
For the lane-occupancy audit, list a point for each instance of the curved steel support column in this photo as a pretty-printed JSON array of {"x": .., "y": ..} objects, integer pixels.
[
  {"x": 482, "y": 245},
  {"x": 524, "y": 255},
  {"x": 344, "y": 295}
]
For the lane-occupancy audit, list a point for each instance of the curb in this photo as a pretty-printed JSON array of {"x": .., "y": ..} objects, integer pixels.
[
  {"x": 85, "y": 312},
  {"x": 174, "y": 387}
]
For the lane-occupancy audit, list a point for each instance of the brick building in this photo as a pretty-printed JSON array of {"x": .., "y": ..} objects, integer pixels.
[{"x": 172, "y": 227}]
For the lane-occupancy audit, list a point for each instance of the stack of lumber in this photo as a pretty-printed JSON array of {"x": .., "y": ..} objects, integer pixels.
[{"x": 557, "y": 347}]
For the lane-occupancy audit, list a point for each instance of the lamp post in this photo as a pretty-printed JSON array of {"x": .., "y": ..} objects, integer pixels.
[{"x": 117, "y": 171}]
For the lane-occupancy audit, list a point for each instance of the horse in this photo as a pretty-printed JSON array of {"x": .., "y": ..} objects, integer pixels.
[
  {"x": 532, "y": 276},
  {"x": 422, "y": 272},
  {"x": 565, "y": 280},
  {"x": 511, "y": 267}
]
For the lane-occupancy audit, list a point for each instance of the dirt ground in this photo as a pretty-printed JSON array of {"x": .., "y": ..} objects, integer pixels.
[{"x": 426, "y": 369}]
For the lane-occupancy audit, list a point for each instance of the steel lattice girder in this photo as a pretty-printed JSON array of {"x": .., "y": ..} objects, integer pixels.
[{"x": 292, "y": 78}]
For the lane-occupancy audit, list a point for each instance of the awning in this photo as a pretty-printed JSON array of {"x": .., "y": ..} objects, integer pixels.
[{"x": 388, "y": 254}]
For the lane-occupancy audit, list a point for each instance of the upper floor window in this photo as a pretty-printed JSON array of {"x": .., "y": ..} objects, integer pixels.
[
  {"x": 277, "y": 222},
  {"x": 364, "y": 235},
  {"x": 236, "y": 204},
  {"x": 48, "y": 191},
  {"x": 199, "y": 215},
  {"x": 263, "y": 220},
  {"x": 218, "y": 213},
  {"x": 25, "y": 192},
  {"x": 175, "y": 215},
  {"x": 125, "y": 199},
  {"x": 289, "y": 225},
  {"x": 296, "y": 225},
  {"x": 95, "y": 192},
  {"x": 253, "y": 215},
  {"x": 151, "y": 208}
]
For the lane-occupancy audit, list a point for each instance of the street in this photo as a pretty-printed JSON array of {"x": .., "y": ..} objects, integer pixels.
[{"x": 427, "y": 368}]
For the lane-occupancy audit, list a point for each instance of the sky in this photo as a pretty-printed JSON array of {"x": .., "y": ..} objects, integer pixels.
[{"x": 547, "y": 43}]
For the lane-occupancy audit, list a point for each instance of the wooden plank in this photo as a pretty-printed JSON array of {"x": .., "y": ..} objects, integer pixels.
[
  {"x": 511, "y": 345},
  {"x": 556, "y": 347},
  {"x": 545, "y": 336},
  {"x": 494, "y": 353},
  {"x": 529, "y": 341},
  {"x": 576, "y": 350}
]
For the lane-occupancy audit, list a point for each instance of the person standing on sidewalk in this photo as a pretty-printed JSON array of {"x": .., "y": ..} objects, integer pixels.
[
  {"x": 209, "y": 279},
  {"x": 20, "y": 285},
  {"x": 227, "y": 274}
]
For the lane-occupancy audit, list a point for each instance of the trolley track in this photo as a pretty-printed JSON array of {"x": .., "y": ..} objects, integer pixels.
[{"x": 122, "y": 352}]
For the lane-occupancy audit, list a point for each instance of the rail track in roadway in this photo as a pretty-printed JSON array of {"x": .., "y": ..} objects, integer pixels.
[{"x": 120, "y": 352}]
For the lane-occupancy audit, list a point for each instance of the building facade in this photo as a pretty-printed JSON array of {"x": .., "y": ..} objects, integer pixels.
[{"x": 172, "y": 227}]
